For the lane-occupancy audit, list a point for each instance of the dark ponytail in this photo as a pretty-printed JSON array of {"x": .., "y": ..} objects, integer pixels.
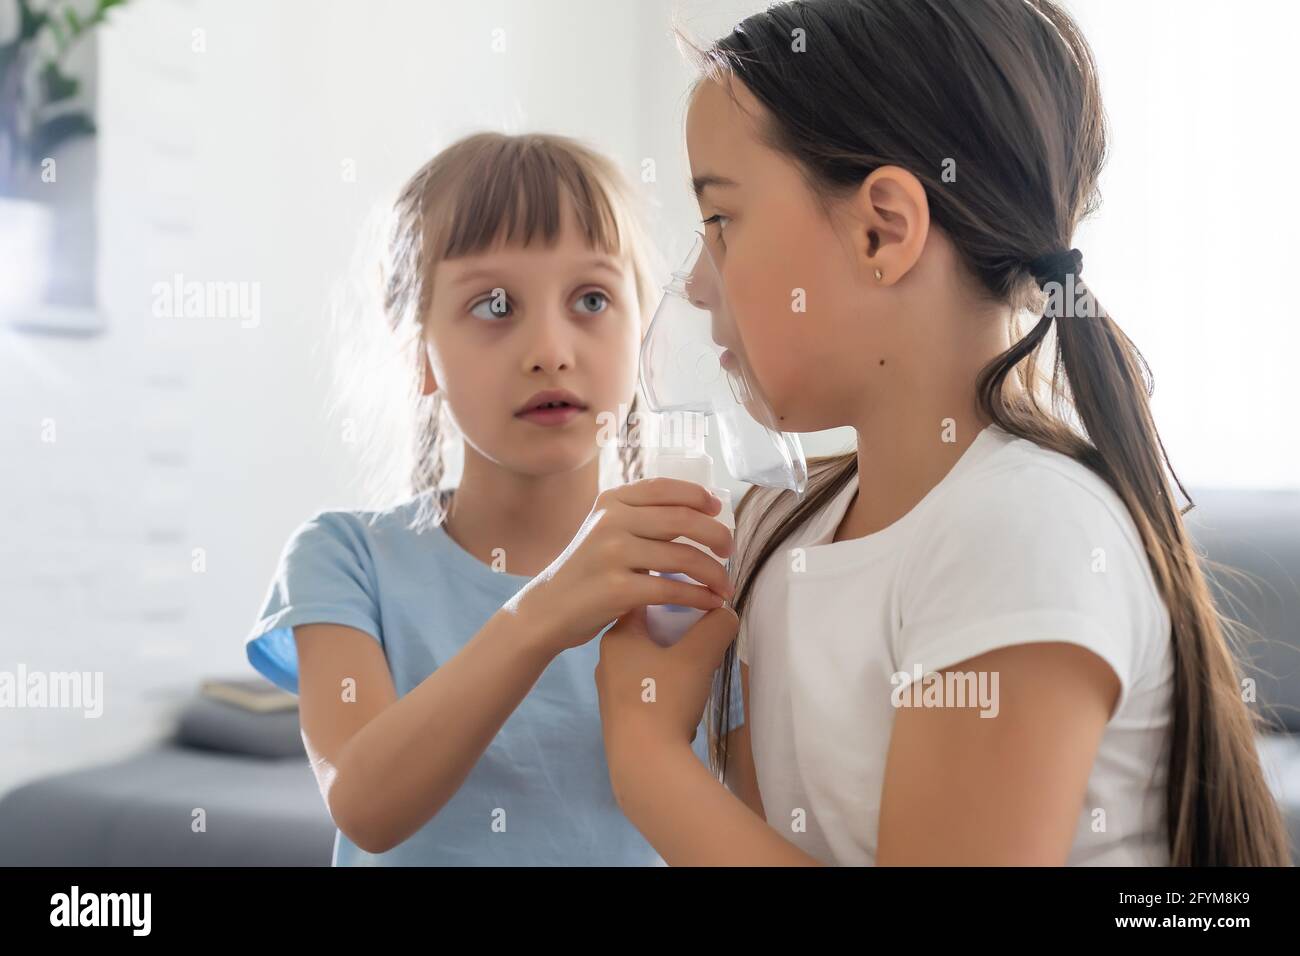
[{"x": 1009, "y": 90}]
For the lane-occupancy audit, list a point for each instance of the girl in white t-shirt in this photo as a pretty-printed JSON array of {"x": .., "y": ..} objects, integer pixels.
[{"x": 984, "y": 637}]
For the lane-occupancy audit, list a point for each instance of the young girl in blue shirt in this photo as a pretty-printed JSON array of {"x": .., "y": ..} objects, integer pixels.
[{"x": 442, "y": 647}]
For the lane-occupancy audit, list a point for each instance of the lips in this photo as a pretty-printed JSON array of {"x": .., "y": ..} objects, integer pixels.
[{"x": 552, "y": 399}]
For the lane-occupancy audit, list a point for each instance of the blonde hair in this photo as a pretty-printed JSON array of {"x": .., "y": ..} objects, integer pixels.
[{"x": 482, "y": 189}]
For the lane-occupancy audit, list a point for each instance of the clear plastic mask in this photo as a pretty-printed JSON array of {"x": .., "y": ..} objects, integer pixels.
[{"x": 692, "y": 361}]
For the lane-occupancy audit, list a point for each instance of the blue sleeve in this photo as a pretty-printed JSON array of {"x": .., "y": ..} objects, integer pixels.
[
  {"x": 735, "y": 711},
  {"x": 737, "y": 700},
  {"x": 324, "y": 576}
]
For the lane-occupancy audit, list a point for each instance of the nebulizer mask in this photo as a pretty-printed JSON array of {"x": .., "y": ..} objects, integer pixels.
[
  {"x": 692, "y": 363},
  {"x": 694, "y": 370}
]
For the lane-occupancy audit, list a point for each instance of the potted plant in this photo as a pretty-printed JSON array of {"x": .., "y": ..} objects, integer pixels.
[{"x": 38, "y": 114}]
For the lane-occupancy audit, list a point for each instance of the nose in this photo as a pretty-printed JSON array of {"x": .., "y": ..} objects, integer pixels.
[
  {"x": 550, "y": 344},
  {"x": 702, "y": 285}
]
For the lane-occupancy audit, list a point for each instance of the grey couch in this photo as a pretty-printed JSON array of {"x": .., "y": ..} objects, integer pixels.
[
  {"x": 1258, "y": 532},
  {"x": 243, "y": 777}
]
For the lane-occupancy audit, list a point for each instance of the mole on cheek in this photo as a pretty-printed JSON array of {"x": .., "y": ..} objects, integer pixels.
[{"x": 882, "y": 361}]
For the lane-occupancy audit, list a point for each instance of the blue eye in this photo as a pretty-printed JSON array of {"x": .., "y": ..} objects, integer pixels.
[
  {"x": 495, "y": 306},
  {"x": 600, "y": 299}
]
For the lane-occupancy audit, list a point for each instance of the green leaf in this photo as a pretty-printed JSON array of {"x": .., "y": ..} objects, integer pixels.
[
  {"x": 56, "y": 85},
  {"x": 29, "y": 21},
  {"x": 74, "y": 21},
  {"x": 54, "y": 132},
  {"x": 101, "y": 11}
]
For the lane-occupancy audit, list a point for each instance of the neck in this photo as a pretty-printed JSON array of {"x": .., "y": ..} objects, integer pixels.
[
  {"x": 908, "y": 443},
  {"x": 530, "y": 518}
]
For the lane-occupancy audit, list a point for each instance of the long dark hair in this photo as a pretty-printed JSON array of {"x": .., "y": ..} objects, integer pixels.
[{"x": 1008, "y": 90}]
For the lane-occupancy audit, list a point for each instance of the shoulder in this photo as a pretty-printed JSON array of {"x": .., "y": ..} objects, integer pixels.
[
  {"x": 351, "y": 539},
  {"x": 1031, "y": 546},
  {"x": 1031, "y": 527},
  {"x": 358, "y": 527},
  {"x": 1036, "y": 538},
  {"x": 327, "y": 528},
  {"x": 1037, "y": 499}
]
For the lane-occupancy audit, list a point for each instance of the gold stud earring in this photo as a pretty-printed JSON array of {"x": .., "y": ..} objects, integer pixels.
[{"x": 879, "y": 275}]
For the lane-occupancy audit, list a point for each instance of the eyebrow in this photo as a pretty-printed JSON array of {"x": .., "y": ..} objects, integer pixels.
[
  {"x": 702, "y": 183},
  {"x": 492, "y": 272}
]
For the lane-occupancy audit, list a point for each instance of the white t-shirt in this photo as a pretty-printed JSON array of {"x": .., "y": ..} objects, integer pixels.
[{"x": 1016, "y": 544}]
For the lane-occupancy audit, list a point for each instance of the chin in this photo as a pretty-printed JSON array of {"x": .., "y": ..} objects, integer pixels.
[
  {"x": 560, "y": 458},
  {"x": 769, "y": 408}
]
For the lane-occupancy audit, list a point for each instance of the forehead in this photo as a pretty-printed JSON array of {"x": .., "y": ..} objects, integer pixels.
[
  {"x": 568, "y": 246},
  {"x": 721, "y": 137},
  {"x": 548, "y": 263}
]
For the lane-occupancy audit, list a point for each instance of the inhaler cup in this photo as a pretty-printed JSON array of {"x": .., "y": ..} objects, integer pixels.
[{"x": 692, "y": 360}]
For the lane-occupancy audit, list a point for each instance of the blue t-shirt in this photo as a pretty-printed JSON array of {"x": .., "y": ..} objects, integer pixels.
[{"x": 540, "y": 794}]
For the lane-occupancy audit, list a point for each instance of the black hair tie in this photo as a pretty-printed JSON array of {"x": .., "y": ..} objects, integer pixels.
[{"x": 1055, "y": 266}]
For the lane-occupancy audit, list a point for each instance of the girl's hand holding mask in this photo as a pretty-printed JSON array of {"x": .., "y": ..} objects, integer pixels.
[{"x": 602, "y": 574}]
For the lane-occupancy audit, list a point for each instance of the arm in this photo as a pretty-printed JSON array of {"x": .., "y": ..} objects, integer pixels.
[
  {"x": 680, "y": 808},
  {"x": 675, "y": 801},
  {"x": 961, "y": 789},
  {"x": 383, "y": 767}
]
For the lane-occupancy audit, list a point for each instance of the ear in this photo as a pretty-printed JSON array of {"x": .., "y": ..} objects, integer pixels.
[{"x": 891, "y": 223}]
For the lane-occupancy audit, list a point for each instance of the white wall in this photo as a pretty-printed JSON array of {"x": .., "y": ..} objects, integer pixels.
[{"x": 1194, "y": 249}]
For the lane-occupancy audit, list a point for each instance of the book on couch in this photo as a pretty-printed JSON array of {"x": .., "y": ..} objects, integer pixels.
[{"x": 260, "y": 696}]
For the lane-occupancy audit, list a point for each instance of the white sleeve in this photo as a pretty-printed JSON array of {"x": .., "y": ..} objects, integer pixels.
[{"x": 1026, "y": 556}]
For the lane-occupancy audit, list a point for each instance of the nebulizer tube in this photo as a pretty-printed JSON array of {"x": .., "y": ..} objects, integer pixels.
[
  {"x": 682, "y": 456},
  {"x": 694, "y": 370}
]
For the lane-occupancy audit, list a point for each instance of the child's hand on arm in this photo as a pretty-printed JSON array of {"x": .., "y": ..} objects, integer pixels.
[{"x": 602, "y": 574}]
